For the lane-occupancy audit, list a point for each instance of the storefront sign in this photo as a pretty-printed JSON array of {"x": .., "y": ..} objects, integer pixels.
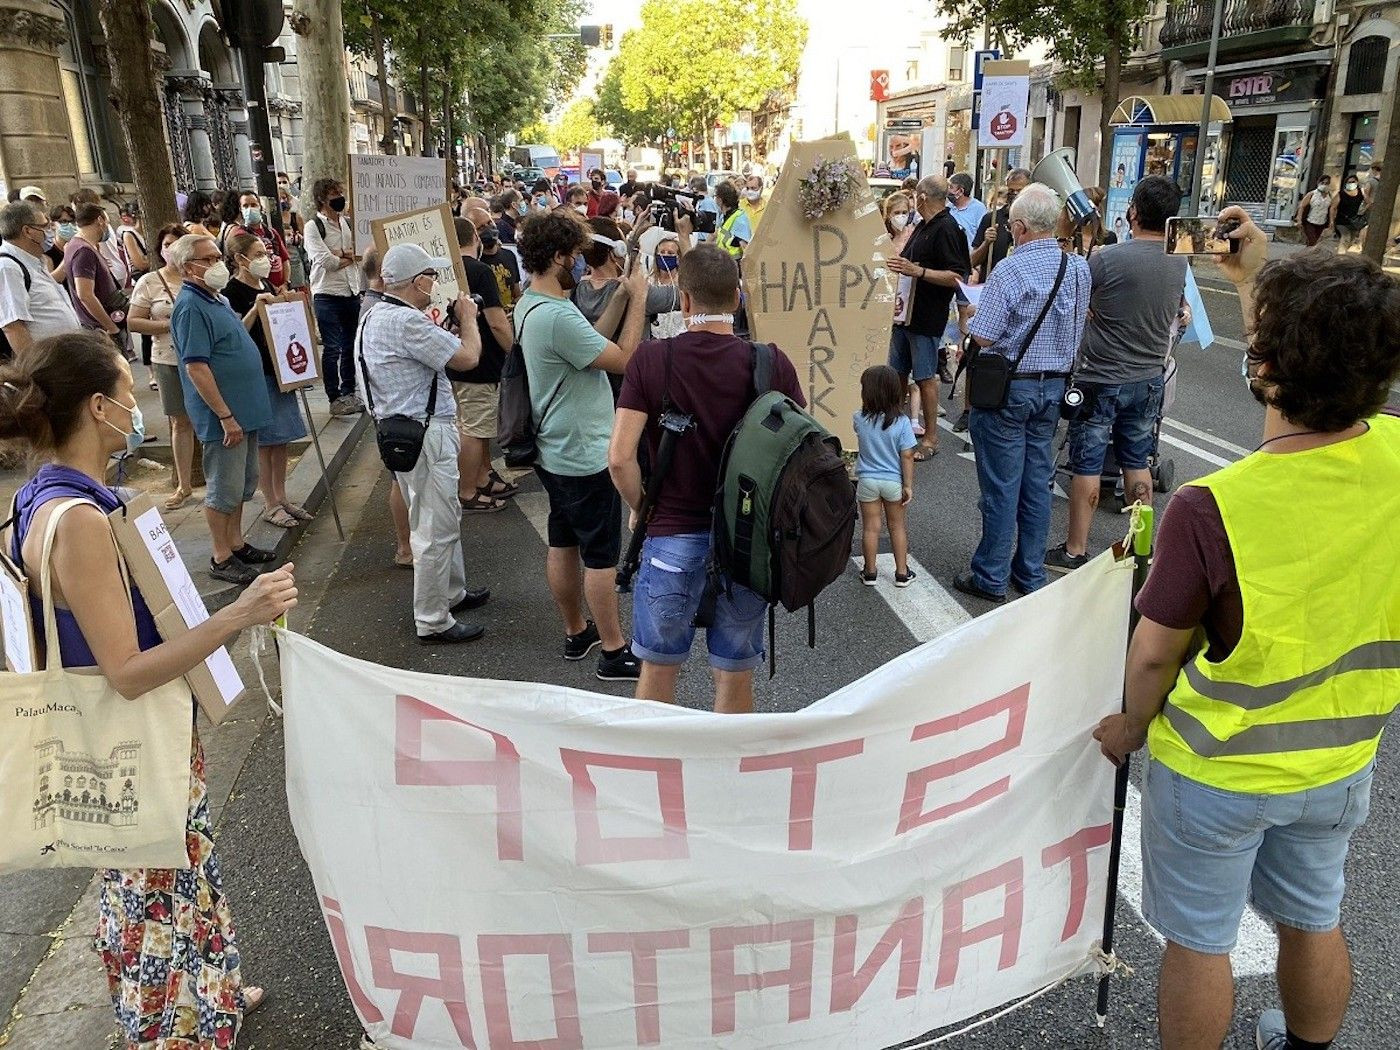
[{"x": 1268, "y": 87}]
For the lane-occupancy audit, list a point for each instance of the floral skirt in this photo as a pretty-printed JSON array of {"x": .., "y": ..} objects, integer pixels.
[{"x": 167, "y": 943}]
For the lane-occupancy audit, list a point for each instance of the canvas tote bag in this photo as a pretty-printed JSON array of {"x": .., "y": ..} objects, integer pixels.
[{"x": 89, "y": 779}]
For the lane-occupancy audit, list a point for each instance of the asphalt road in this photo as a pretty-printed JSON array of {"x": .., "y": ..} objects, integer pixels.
[{"x": 366, "y": 613}]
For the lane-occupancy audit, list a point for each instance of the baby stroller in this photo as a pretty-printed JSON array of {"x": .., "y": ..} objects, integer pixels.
[{"x": 1163, "y": 471}]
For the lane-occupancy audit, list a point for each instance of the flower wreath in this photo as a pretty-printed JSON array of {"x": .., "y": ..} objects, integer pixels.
[{"x": 828, "y": 186}]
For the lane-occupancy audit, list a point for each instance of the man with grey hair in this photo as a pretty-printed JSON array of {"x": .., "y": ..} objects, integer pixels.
[
  {"x": 1040, "y": 332},
  {"x": 933, "y": 261},
  {"x": 403, "y": 357},
  {"x": 225, "y": 398},
  {"x": 33, "y": 305}
]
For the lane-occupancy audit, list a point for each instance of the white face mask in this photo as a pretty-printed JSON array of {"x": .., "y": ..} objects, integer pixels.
[
  {"x": 753, "y": 195},
  {"x": 260, "y": 267},
  {"x": 582, "y": 209},
  {"x": 900, "y": 220},
  {"x": 217, "y": 276}
]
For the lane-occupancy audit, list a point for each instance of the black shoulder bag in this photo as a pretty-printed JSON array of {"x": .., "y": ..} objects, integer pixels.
[
  {"x": 399, "y": 437},
  {"x": 990, "y": 373}
]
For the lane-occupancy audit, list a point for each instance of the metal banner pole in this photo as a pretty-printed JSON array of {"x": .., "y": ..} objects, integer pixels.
[
  {"x": 1141, "y": 541},
  {"x": 320, "y": 456}
]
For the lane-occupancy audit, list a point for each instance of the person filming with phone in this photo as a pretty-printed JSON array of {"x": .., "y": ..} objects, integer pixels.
[{"x": 1256, "y": 676}]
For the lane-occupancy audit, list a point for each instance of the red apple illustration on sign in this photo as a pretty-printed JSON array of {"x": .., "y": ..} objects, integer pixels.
[
  {"x": 296, "y": 357},
  {"x": 1003, "y": 126}
]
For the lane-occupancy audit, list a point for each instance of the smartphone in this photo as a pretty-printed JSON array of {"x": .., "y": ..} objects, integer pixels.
[{"x": 1193, "y": 235}]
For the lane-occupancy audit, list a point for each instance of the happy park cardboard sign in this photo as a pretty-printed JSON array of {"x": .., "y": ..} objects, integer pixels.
[{"x": 506, "y": 864}]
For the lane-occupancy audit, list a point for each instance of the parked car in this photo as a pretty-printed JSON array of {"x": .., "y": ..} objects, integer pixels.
[
  {"x": 529, "y": 176},
  {"x": 614, "y": 178}
]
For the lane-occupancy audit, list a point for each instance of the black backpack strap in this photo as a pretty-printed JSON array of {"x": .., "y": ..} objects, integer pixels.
[
  {"x": 1044, "y": 312},
  {"x": 432, "y": 400},
  {"x": 762, "y": 369},
  {"x": 23, "y": 270},
  {"x": 666, "y": 384}
]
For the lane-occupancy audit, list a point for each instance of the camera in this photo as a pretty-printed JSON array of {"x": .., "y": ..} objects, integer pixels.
[
  {"x": 666, "y": 203},
  {"x": 449, "y": 318}
]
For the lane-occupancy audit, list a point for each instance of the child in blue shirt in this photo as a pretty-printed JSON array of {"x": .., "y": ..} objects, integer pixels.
[{"x": 884, "y": 469}]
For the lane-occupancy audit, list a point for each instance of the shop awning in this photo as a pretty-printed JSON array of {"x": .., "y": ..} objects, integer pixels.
[{"x": 1167, "y": 109}]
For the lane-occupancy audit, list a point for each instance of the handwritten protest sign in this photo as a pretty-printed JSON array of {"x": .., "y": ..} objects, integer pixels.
[
  {"x": 520, "y": 865},
  {"x": 819, "y": 289},
  {"x": 381, "y": 186},
  {"x": 286, "y": 321},
  {"x": 432, "y": 230}
]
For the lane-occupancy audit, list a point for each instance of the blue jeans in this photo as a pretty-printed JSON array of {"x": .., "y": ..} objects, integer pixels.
[
  {"x": 1015, "y": 462},
  {"x": 336, "y": 317}
]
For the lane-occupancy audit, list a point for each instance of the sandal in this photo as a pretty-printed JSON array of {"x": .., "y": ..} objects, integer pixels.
[
  {"x": 177, "y": 499},
  {"x": 280, "y": 517},
  {"x": 297, "y": 511},
  {"x": 403, "y": 561},
  {"x": 253, "y": 998},
  {"x": 506, "y": 489},
  {"x": 923, "y": 453},
  {"x": 481, "y": 504}
]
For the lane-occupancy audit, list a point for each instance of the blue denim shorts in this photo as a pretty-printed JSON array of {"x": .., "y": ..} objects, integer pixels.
[
  {"x": 912, "y": 353},
  {"x": 1206, "y": 851},
  {"x": 1123, "y": 413},
  {"x": 669, "y": 586},
  {"x": 230, "y": 474}
]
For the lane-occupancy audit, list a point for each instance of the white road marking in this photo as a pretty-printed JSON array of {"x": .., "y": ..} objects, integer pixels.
[
  {"x": 1206, "y": 436},
  {"x": 1195, "y": 450},
  {"x": 927, "y": 610},
  {"x": 536, "y": 508},
  {"x": 1233, "y": 344}
]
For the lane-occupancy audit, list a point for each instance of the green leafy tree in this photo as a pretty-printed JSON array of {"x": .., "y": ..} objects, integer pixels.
[
  {"x": 577, "y": 126},
  {"x": 1087, "y": 40}
]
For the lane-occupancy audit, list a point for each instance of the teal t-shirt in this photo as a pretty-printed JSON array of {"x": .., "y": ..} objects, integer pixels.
[
  {"x": 573, "y": 403},
  {"x": 205, "y": 328}
]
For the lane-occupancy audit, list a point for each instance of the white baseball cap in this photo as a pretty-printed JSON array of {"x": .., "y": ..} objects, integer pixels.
[
  {"x": 32, "y": 191},
  {"x": 403, "y": 262}
]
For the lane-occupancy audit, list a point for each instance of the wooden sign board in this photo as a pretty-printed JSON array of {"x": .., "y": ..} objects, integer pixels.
[
  {"x": 291, "y": 340},
  {"x": 819, "y": 288},
  {"x": 381, "y": 186},
  {"x": 170, "y": 593},
  {"x": 432, "y": 230}
]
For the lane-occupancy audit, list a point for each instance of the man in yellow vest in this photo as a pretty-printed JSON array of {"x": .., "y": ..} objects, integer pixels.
[{"x": 1268, "y": 654}]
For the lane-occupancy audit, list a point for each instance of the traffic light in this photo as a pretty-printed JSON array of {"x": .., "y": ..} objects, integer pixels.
[
  {"x": 607, "y": 38},
  {"x": 589, "y": 36}
]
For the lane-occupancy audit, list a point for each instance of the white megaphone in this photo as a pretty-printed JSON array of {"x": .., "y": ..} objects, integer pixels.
[{"x": 1057, "y": 172}]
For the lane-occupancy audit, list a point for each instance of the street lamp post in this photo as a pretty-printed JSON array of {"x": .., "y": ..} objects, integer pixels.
[{"x": 1198, "y": 169}]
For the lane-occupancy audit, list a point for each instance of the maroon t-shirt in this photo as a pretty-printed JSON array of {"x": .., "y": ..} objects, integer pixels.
[
  {"x": 711, "y": 381},
  {"x": 1193, "y": 580},
  {"x": 82, "y": 260}
]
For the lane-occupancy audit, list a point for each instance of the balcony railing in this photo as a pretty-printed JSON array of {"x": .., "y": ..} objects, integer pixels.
[{"x": 1188, "y": 22}]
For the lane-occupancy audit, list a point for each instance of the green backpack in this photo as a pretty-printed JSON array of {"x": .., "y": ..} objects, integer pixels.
[{"x": 785, "y": 509}]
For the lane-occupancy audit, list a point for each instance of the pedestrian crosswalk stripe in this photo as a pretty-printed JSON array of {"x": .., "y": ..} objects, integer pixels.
[{"x": 1206, "y": 436}]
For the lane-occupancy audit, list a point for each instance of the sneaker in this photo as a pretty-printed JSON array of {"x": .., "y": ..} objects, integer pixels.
[
  {"x": 1057, "y": 559},
  {"x": 577, "y": 646},
  {"x": 457, "y": 633},
  {"x": 1271, "y": 1033},
  {"x": 905, "y": 580},
  {"x": 868, "y": 578},
  {"x": 960, "y": 427},
  {"x": 967, "y": 584},
  {"x": 343, "y": 406},
  {"x": 250, "y": 555},
  {"x": 618, "y": 666},
  {"x": 231, "y": 571},
  {"x": 356, "y": 405}
]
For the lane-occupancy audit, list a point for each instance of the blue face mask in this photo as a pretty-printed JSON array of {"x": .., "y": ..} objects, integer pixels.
[
  {"x": 137, "y": 437},
  {"x": 522, "y": 208},
  {"x": 580, "y": 267},
  {"x": 67, "y": 230},
  {"x": 667, "y": 262}
]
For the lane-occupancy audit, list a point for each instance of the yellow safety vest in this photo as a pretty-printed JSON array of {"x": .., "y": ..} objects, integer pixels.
[
  {"x": 724, "y": 238},
  {"x": 1302, "y": 700}
]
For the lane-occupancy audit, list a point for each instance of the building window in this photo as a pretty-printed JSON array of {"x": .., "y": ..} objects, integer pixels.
[
  {"x": 911, "y": 72},
  {"x": 85, "y": 92},
  {"x": 956, "y": 58},
  {"x": 1366, "y": 66}
]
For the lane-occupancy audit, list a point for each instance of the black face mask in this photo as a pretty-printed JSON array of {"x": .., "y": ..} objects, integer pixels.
[
  {"x": 489, "y": 239},
  {"x": 337, "y": 203}
]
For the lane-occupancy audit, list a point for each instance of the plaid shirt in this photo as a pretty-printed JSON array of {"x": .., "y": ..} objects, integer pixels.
[
  {"x": 1014, "y": 297},
  {"x": 403, "y": 350}
]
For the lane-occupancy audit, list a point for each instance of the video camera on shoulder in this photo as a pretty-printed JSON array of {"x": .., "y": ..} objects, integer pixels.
[{"x": 666, "y": 202}]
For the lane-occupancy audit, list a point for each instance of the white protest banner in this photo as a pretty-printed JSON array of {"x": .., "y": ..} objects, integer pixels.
[
  {"x": 287, "y": 326},
  {"x": 504, "y": 864},
  {"x": 381, "y": 186},
  {"x": 433, "y": 231},
  {"x": 1006, "y": 88}
]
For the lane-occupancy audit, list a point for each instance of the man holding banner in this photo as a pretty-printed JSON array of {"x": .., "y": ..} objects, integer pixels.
[{"x": 1263, "y": 740}]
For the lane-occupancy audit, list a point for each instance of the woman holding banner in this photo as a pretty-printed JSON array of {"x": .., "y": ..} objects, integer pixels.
[
  {"x": 166, "y": 937},
  {"x": 248, "y": 258}
]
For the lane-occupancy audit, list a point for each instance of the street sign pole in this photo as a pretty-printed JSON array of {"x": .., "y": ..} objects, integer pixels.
[{"x": 1199, "y": 167}]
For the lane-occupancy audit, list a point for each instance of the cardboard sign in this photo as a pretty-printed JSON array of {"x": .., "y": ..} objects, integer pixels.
[
  {"x": 1006, "y": 88},
  {"x": 159, "y": 572},
  {"x": 291, "y": 340},
  {"x": 20, "y": 648},
  {"x": 432, "y": 230},
  {"x": 381, "y": 186},
  {"x": 819, "y": 289}
]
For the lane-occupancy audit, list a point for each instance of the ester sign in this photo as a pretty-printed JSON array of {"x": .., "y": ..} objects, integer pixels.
[
  {"x": 1006, "y": 88},
  {"x": 381, "y": 186},
  {"x": 819, "y": 289},
  {"x": 506, "y": 864}
]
